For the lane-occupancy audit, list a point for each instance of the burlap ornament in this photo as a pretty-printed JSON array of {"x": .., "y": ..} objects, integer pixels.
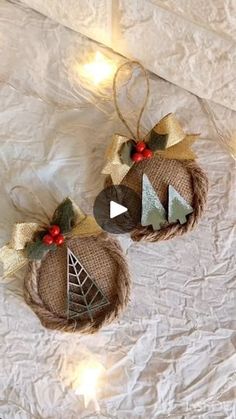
[
  {"x": 45, "y": 287},
  {"x": 165, "y": 156}
]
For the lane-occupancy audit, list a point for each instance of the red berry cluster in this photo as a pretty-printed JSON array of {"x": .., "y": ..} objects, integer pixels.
[
  {"x": 141, "y": 152},
  {"x": 53, "y": 236}
]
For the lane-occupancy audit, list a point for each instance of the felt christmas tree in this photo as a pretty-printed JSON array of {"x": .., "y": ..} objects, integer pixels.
[
  {"x": 84, "y": 296},
  {"x": 153, "y": 212},
  {"x": 178, "y": 208}
]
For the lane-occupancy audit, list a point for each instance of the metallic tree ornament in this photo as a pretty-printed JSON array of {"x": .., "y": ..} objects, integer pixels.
[{"x": 84, "y": 296}]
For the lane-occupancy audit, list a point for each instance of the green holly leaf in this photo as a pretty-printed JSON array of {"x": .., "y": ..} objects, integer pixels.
[
  {"x": 40, "y": 235},
  {"x": 157, "y": 141},
  {"x": 126, "y": 151},
  {"x": 37, "y": 250},
  {"x": 65, "y": 216}
]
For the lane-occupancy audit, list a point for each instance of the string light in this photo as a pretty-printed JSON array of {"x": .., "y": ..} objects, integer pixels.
[
  {"x": 100, "y": 69},
  {"x": 88, "y": 376}
]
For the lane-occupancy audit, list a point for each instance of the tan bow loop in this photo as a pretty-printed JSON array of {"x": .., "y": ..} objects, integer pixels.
[
  {"x": 12, "y": 256},
  {"x": 169, "y": 127},
  {"x": 22, "y": 234},
  {"x": 114, "y": 166}
]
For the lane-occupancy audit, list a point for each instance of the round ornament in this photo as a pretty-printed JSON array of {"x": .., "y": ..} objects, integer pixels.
[
  {"x": 161, "y": 168},
  {"x": 77, "y": 278},
  {"x": 82, "y": 286},
  {"x": 186, "y": 177}
]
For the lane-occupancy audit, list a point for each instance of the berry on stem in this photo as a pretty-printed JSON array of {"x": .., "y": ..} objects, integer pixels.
[
  {"x": 54, "y": 230},
  {"x": 48, "y": 239},
  {"x": 59, "y": 240},
  {"x": 147, "y": 153},
  {"x": 137, "y": 157},
  {"x": 140, "y": 146}
]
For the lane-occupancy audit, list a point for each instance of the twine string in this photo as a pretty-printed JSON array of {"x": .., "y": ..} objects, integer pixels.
[
  {"x": 115, "y": 96},
  {"x": 26, "y": 212}
]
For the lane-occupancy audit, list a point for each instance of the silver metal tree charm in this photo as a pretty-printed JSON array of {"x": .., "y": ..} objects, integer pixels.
[{"x": 84, "y": 296}]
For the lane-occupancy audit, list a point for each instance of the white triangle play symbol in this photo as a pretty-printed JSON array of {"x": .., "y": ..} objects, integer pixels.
[{"x": 116, "y": 209}]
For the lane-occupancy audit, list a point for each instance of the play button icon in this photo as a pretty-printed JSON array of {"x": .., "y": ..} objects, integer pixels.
[{"x": 117, "y": 209}]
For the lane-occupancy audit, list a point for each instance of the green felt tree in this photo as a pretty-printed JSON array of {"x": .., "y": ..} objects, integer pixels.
[
  {"x": 153, "y": 212},
  {"x": 178, "y": 208}
]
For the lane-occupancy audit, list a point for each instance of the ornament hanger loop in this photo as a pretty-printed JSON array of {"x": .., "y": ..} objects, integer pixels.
[{"x": 122, "y": 118}]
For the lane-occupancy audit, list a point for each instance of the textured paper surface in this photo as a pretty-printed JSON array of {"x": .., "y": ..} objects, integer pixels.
[
  {"x": 174, "y": 39},
  {"x": 172, "y": 354}
]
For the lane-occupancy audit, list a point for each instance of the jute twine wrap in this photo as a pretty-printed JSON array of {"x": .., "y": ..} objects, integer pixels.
[
  {"x": 46, "y": 283},
  {"x": 186, "y": 177}
]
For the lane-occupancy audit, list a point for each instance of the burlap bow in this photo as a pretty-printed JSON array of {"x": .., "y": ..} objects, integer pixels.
[
  {"x": 13, "y": 256},
  {"x": 167, "y": 139}
]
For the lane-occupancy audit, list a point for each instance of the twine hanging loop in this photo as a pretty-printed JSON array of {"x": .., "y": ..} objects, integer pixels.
[{"x": 115, "y": 96}]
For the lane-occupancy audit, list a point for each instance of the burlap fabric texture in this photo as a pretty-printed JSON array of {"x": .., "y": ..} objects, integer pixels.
[
  {"x": 185, "y": 176},
  {"x": 46, "y": 283}
]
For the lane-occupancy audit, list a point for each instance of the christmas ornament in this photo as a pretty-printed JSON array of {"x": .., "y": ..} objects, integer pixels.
[
  {"x": 165, "y": 155},
  {"x": 59, "y": 255}
]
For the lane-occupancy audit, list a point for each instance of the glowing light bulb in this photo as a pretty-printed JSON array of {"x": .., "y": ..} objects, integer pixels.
[
  {"x": 100, "y": 69},
  {"x": 88, "y": 375}
]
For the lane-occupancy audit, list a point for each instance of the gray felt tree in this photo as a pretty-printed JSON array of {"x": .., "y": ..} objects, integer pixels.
[
  {"x": 153, "y": 212},
  {"x": 84, "y": 296},
  {"x": 178, "y": 208}
]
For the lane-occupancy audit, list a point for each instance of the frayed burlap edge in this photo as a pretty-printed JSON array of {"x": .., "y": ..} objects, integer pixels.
[
  {"x": 53, "y": 321},
  {"x": 200, "y": 190}
]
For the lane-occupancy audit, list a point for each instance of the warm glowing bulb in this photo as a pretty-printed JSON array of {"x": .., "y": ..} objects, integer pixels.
[
  {"x": 89, "y": 373},
  {"x": 100, "y": 69}
]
